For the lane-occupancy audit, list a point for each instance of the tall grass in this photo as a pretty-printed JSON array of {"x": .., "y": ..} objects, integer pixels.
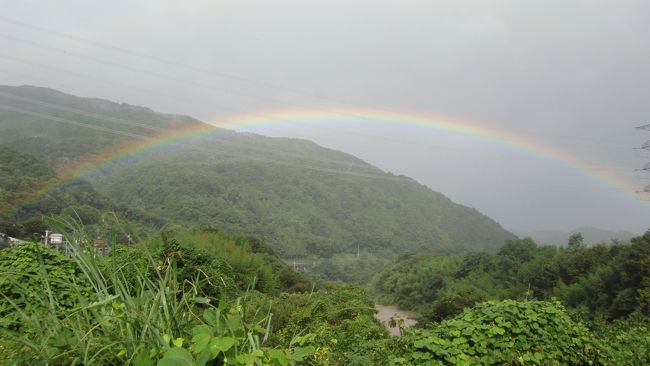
[{"x": 114, "y": 319}]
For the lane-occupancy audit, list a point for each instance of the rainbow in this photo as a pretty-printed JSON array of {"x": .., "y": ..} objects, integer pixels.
[
  {"x": 191, "y": 134},
  {"x": 445, "y": 124}
]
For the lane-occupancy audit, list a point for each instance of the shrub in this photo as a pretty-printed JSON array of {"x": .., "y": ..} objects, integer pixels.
[
  {"x": 504, "y": 333},
  {"x": 35, "y": 278}
]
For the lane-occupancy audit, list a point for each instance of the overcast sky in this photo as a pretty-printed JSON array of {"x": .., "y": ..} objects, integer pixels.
[{"x": 570, "y": 77}]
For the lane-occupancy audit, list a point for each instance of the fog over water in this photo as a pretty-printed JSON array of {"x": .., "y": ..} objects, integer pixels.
[{"x": 554, "y": 88}]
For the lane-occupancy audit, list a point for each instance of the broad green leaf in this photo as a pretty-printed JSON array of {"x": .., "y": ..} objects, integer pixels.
[
  {"x": 177, "y": 357},
  {"x": 234, "y": 322},
  {"x": 203, "y": 357},
  {"x": 221, "y": 344},
  {"x": 279, "y": 356},
  {"x": 201, "y": 329},
  {"x": 200, "y": 342},
  {"x": 300, "y": 353},
  {"x": 143, "y": 359}
]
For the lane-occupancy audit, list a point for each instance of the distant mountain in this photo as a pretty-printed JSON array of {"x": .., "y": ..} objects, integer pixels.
[
  {"x": 592, "y": 236},
  {"x": 299, "y": 197}
]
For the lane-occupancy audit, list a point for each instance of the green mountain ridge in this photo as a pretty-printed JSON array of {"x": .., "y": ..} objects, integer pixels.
[{"x": 300, "y": 198}]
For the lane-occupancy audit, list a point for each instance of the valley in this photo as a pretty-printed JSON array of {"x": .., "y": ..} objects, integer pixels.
[{"x": 284, "y": 247}]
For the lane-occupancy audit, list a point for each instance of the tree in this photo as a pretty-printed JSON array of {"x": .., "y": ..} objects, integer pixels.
[
  {"x": 576, "y": 242},
  {"x": 521, "y": 249}
]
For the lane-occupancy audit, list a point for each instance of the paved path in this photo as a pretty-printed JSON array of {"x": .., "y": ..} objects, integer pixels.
[{"x": 384, "y": 313}]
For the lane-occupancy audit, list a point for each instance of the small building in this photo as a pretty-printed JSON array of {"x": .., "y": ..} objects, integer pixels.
[{"x": 56, "y": 239}]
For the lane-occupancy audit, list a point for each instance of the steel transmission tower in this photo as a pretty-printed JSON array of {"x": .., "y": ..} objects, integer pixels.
[{"x": 646, "y": 166}]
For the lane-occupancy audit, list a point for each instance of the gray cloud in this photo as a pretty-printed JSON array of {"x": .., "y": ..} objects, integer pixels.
[{"x": 571, "y": 76}]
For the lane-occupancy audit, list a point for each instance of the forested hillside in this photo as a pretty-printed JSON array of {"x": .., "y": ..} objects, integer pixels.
[
  {"x": 603, "y": 282},
  {"x": 300, "y": 198},
  {"x": 30, "y": 190}
]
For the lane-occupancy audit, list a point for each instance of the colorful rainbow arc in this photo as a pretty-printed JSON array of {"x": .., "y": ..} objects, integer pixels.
[
  {"x": 187, "y": 135},
  {"x": 449, "y": 125}
]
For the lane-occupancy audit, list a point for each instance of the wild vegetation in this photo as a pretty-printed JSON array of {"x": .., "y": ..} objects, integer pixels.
[
  {"x": 603, "y": 282},
  {"x": 304, "y": 200},
  {"x": 29, "y": 190},
  {"x": 206, "y": 273},
  {"x": 200, "y": 297},
  {"x": 166, "y": 302}
]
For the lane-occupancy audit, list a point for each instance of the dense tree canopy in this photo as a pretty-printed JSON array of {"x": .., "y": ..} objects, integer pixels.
[
  {"x": 604, "y": 281},
  {"x": 302, "y": 199}
]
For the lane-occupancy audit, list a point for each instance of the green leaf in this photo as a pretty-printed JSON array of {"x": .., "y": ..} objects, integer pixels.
[
  {"x": 234, "y": 322},
  {"x": 279, "y": 356},
  {"x": 177, "y": 357},
  {"x": 203, "y": 357},
  {"x": 143, "y": 359},
  {"x": 221, "y": 344},
  {"x": 201, "y": 329},
  {"x": 211, "y": 317},
  {"x": 300, "y": 353},
  {"x": 247, "y": 359},
  {"x": 178, "y": 342},
  {"x": 200, "y": 342}
]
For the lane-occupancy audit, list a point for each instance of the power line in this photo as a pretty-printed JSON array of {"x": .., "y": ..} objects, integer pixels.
[
  {"x": 212, "y": 150},
  {"x": 238, "y": 111},
  {"x": 84, "y": 113},
  {"x": 149, "y": 72},
  {"x": 97, "y": 79},
  {"x": 167, "y": 130},
  {"x": 170, "y": 77},
  {"x": 195, "y": 69},
  {"x": 152, "y": 128},
  {"x": 173, "y": 63}
]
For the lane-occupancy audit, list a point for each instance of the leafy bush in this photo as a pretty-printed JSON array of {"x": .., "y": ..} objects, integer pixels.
[
  {"x": 36, "y": 279},
  {"x": 630, "y": 347},
  {"x": 226, "y": 338},
  {"x": 337, "y": 321},
  {"x": 627, "y": 342},
  {"x": 231, "y": 262},
  {"x": 504, "y": 333}
]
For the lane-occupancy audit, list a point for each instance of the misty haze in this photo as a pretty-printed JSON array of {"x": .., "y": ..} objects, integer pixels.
[{"x": 324, "y": 183}]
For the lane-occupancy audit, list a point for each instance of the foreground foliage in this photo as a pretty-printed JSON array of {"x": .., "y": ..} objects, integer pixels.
[
  {"x": 505, "y": 333},
  {"x": 200, "y": 297},
  {"x": 172, "y": 302},
  {"x": 604, "y": 282}
]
